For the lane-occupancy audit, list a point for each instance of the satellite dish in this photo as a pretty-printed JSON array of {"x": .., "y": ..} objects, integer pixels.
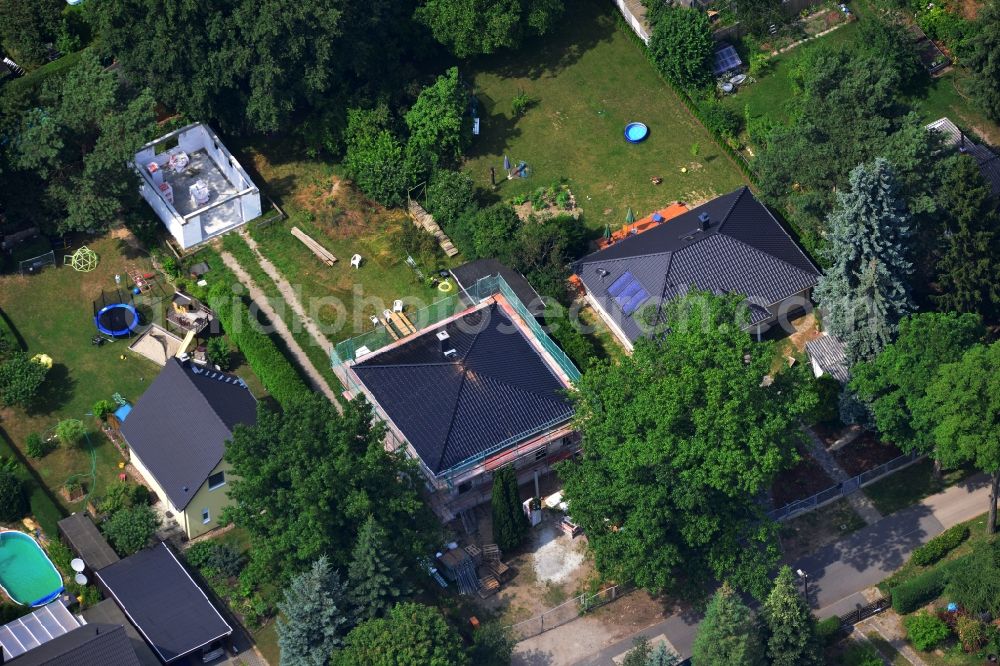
[
  {"x": 80, "y": 579},
  {"x": 77, "y": 564}
]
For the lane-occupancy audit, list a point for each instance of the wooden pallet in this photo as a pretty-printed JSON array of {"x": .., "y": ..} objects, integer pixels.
[
  {"x": 321, "y": 252},
  {"x": 475, "y": 553},
  {"x": 488, "y": 585},
  {"x": 491, "y": 552},
  {"x": 500, "y": 570},
  {"x": 423, "y": 219}
]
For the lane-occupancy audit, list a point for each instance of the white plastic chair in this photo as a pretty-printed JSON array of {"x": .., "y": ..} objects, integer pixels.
[
  {"x": 356, "y": 261},
  {"x": 397, "y": 305}
]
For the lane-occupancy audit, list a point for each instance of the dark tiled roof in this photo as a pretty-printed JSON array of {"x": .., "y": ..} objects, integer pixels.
[
  {"x": 161, "y": 599},
  {"x": 828, "y": 352},
  {"x": 496, "y": 387},
  {"x": 467, "y": 274},
  {"x": 87, "y": 542},
  {"x": 108, "y": 612},
  {"x": 988, "y": 161},
  {"x": 89, "y": 645},
  {"x": 743, "y": 250},
  {"x": 180, "y": 425}
]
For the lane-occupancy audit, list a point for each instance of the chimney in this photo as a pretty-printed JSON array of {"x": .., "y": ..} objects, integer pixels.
[
  {"x": 703, "y": 221},
  {"x": 445, "y": 344}
]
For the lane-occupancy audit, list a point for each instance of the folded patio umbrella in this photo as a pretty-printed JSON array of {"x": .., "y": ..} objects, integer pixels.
[
  {"x": 629, "y": 216},
  {"x": 506, "y": 163}
]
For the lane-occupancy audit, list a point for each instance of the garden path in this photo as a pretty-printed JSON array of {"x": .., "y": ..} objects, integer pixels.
[
  {"x": 858, "y": 501},
  {"x": 315, "y": 378}
]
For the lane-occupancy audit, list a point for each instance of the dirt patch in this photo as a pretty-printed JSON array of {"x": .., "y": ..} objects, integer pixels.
[
  {"x": 969, "y": 9},
  {"x": 865, "y": 453},
  {"x": 804, "y": 480},
  {"x": 811, "y": 531}
]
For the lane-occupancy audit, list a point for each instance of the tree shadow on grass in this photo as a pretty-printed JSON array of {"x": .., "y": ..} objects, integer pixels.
[
  {"x": 496, "y": 131},
  {"x": 55, "y": 392},
  {"x": 584, "y": 25}
]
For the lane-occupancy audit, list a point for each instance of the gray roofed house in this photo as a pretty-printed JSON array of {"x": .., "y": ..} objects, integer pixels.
[
  {"x": 472, "y": 393},
  {"x": 827, "y": 356},
  {"x": 731, "y": 244},
  {"x": 177, "y": 432},
  {"x": 470, "y": 272},
  {"x": 988, "y": 161},
  {"x": 87, "y": 645},
  {"x": 169, "y": 609}
]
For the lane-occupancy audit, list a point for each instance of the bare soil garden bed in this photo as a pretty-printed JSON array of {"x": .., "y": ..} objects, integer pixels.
[
  {"x": 865, "y": 453},
  {"x": 804, "y": 480}
]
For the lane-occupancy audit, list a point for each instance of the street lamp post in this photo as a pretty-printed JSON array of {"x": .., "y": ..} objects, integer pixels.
[{"x": 805, "y": 583}]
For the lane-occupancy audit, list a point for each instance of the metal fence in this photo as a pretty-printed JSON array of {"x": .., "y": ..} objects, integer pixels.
[
  {"x": 566, "y": 612},
  {"x": 864, "y": 612},
  {"x": 844, "y": 488}
]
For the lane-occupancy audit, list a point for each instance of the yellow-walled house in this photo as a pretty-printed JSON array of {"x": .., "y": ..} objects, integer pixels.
[{"x": 177, "y": 434}]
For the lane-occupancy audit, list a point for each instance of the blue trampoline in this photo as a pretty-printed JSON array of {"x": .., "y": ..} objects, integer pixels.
[
  {"x": 114, "y": 314},
  {"x": 636, "y": 132}
]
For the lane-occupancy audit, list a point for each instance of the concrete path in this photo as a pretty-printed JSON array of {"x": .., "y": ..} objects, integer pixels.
[
  {"x": 838, "y": 575},
  {"x": 316, "y": 380},
  {"x": 863, "y": 506}
]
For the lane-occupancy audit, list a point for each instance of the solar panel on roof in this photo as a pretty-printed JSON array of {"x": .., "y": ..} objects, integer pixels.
[
  {"x": 726, "y": 59},
  {"x": 628, "y": 293}
]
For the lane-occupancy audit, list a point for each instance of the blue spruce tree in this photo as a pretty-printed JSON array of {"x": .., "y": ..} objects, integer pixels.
[
  {"x": 314, "y": 618},
  {"x": 865, "y": 291}
]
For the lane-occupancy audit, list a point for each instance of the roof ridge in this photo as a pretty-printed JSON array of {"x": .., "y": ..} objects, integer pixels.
[
  {"x": 732, "y": 207},
  {"x": 781, "y": 227},
  {"x": 461, "y": 389},
  {"x": 584, "y": 261}
]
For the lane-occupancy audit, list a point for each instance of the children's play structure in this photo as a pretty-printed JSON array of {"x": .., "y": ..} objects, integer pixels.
[{"x": 83, "y": 260}]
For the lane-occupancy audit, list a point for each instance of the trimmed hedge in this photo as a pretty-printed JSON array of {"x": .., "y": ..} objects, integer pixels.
[
  {"x": 919, "y": 590},
  {"x": 939, "y": 546},
  {"x": 828, "y": 630},
  {"x": 272, "y": 367}
]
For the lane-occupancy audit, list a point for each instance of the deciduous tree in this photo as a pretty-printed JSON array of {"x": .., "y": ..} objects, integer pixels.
[
  {"x": 13, "y": 501},
  {"x": 129, "y": 530},
  {"x": 437, "y": 124},
  {"x": 962, "y": 411},
  {"x": 376, "y": 577},
  {"x": 865, "y": 292},
  {"x": 411, "y": 635},
  {"x": 475, "y": 27},
  {"x": 729, "y": 634},
  {"x": 314, "y": 616},
  {"x": 27, "y": 28},
  {"x": 984, "y": 63},
  {"x": 893, "y": 384},
  {"x": 678, "y": 440},
  {"x": 791, "y": 628},
  {"x": 304, "y": 480},
  {"x": 681, "y": 46},
  {"x": 374, "y": 157}
]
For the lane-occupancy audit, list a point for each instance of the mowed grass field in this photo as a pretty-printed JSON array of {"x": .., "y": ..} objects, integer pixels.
[
  {"x": 589, "y": 80},
  {"x": 52, "y": 312}
]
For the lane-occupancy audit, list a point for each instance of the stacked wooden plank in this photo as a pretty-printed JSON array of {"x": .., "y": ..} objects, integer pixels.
[
  {"x": 488, "y": 585},
  {"x": 423, "y": 219},
  {"x": 321, "y": 252}
]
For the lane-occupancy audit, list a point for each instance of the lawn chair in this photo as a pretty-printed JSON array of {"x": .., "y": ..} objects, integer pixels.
[
  {"x": 397, "y": 305},
  {"x": 356, "y": 261},
  {"x": 375, "y": 321}
]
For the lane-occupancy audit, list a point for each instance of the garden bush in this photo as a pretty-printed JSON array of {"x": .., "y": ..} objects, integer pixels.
[
  {"x": 200, "y": 553},
  {"x": 919, "y": 590},
  {"x": 217, "y": 351},
  {"x": 129, "y": 530},
  {"x": 13, "y": 502},
  {"x": 271, "y": 366},
  {"x": 719, "y": 119},
  {"x": 925, "y": 631},
  {"x": 71, "y": 432},
  {"x": 971, "y": 632},
  {"x": 828, "y": 630},
  {"x": 939, "y": 546},
  {"x": 37, "y": 447},
  {"x": 103, "y": 408},
  {"x": 974, "y": 582}
]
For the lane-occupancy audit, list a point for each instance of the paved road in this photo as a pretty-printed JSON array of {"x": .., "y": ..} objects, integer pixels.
[{"x": 838, "y": 573}]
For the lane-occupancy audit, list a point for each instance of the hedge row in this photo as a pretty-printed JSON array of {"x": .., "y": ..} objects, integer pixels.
[
  {"x": 272, "y": 367},
  {"x": 939, "y": 546},
  {"x": 919, "y": 590},
  {"x": 692, "y": 106}
]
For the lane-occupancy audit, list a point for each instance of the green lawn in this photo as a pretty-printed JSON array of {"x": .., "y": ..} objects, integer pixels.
[
  {"x": 589, "y": 80},
  {"x": 910, "y": 485},
  {"x": 52, "y": 312}
]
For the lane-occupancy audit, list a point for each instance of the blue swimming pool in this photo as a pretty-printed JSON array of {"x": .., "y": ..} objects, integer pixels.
[
  {"x": 27, "y": 575},
  {"x": 636, "y": 132}
]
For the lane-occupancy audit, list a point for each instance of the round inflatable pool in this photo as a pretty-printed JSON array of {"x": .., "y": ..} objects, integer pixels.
[
  {"x": 117, "y": 320},
  {"x": 636, "y": 132}
]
